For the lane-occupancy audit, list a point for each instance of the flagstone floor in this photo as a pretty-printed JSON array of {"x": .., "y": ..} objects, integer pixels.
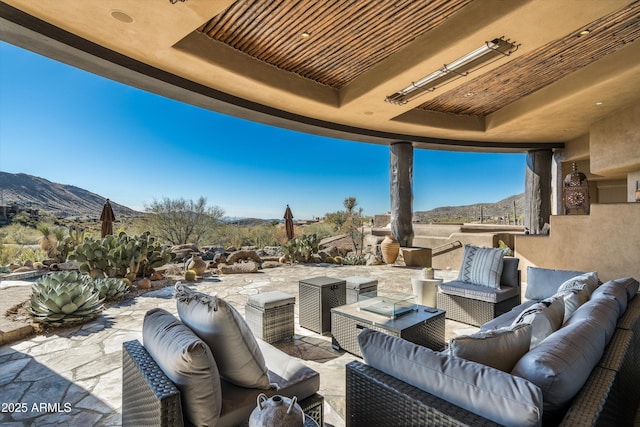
[{"x": 74, "y": 377}]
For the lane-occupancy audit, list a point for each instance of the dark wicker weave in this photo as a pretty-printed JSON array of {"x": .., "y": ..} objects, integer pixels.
[
  {"x": 149, "y": 398},
  {"x": 473, "y": 311},
  {"x": 377, "y": 399},
  {"x": 610, "y": 396},
  {"x": 317, "y": 296},
  {"x": 271, "y": 324},
  {"x": 427, "y": 329}
]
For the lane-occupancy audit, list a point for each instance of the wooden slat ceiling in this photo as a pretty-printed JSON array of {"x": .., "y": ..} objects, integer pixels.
[
  {"x": 347, "y": 37},
  {"x": 490, "y": 92}
]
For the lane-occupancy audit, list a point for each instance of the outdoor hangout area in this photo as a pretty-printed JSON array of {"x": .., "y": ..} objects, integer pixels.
[
  {"x": 355, "y": 345},
  {"x": 528, "y": 316}
]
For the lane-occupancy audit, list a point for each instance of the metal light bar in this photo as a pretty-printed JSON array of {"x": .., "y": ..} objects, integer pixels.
[{"x": 462, "y": 66}]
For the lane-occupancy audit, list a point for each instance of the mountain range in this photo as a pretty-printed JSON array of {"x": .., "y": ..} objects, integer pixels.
[
  {"x": 62, "y": 200},
  {"x": 490, "y": 211}
]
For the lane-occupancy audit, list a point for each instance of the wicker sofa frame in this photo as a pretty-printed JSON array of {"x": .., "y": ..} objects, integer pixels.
[
  {"x": 473, "y": 311},
  {"x": 609, "y": 397},
  {"x": 149, "y": 398}
]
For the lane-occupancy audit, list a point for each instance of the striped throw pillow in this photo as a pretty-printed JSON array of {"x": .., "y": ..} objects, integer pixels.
[{"x": 482, "y": 266}]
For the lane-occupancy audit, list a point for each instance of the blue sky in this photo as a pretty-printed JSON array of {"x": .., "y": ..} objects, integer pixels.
[{"x": 73, "y": 127}]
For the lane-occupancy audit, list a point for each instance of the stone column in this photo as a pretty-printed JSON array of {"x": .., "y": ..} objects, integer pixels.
[
  {"x": 537, "y": 191},
  {"x": 401, "y": 192}
]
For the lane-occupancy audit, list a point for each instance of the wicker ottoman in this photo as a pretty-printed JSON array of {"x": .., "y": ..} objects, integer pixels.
[
  {"x": 318, "y": 295},
  {"x": 358, "y": 285},
  {"x": 270, "y": 315}
]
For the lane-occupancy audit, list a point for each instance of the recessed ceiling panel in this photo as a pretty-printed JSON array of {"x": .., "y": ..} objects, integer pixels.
[
  {"x": 331, "y": 42},
  {"x": 523, "y": 76}
]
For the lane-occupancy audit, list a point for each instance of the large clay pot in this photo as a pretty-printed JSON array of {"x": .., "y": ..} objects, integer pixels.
[
  {"x": 197, "y": 264},
  {"x": 277, "y": 411},
  {"x": 390, "y": 249}
]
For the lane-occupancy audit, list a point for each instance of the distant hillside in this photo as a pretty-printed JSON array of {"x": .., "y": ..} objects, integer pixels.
[
  {"x": 57, "y": 199},
  {"x": 471, "y": 213}
]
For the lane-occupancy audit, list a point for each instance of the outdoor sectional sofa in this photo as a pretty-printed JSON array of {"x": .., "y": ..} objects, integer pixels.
[
  {"x": 580, "y": 368},
  {"x": 206, "y": 368}
]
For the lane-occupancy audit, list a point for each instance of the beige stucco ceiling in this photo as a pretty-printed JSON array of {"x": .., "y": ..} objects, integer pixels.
[{"x": 248, "y": 58}]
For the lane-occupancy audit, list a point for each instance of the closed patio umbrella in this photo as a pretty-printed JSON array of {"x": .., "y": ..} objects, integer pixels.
[
  {"x": 288, "y": 222},
  {"x": 107, "y": 217}
]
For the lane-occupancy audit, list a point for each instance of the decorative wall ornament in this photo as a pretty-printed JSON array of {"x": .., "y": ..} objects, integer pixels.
[{"x": 576, "y": 192}]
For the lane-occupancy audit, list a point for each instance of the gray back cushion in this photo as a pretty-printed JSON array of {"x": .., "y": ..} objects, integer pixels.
[
  {"x": 488, "y": 392},
  {"x": 561, "y": 364},
  {"x": 544, "y": 282},
  {"x": 188, "y": 363},
  {"x": 603, "y": 309},
  {"x": 225, "y": 331},
  {"x": 510, "y": 271},
  {"x": 620, "y": 289}
]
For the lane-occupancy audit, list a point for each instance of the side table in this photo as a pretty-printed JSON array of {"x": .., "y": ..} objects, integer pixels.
[
  {"x": 317, "y": 296},
  {"x": 425, "y": 290}
]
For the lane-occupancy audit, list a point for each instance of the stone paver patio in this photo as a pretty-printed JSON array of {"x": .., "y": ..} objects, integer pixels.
[{"x": 74, "y": 377}]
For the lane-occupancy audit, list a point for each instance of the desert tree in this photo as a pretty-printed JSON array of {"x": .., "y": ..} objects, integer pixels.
[{"x": 181, "y": 221}]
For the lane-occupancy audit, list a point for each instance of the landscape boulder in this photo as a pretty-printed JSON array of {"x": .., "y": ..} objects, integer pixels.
[
  {"x": 243, "y": 255},
  {"x": 183, "y": 252},
  {"x": 271, "y": 264},
  {"x": 239, "y": 267}
]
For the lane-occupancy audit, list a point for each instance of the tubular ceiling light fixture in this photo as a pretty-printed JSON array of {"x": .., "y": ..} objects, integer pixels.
[{"x": 489, "y": 52}]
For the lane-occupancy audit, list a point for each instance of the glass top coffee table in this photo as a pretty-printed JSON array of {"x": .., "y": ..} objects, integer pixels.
[{"x": 421, "y": 325}]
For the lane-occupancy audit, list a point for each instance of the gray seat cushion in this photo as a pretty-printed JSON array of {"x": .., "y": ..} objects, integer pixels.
[
  {"x": 271, "y": 299},
  {"x": 544, "y": 282},
  {"x": 188, "y": 363},
  {"x": 288, "y": 376},
  {"x": 488, "y": 392},
  {"x": 477, "y": 292}
]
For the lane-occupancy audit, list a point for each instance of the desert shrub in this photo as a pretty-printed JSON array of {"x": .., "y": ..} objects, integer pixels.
[{"x": 20, "y": 234}]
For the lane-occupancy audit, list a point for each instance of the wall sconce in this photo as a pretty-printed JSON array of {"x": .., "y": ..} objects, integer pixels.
[{"x": 484, "y": 55}]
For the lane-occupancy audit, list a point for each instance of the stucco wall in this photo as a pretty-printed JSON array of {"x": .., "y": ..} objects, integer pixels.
[
  {"x": 614, "y": 143},
  {"x": 607, "y": 241}
]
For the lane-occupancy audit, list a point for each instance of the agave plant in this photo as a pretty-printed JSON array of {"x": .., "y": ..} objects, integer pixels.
[
  {"x": 110, "y": 288},
  {"x": 64, "y": 297}
]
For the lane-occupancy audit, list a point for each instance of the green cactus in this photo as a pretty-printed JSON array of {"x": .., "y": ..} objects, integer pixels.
[
  {"x": 190, "y": 276},
  {"x": 121, "y": 255},
  {"x": 64, "y": 297}
]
